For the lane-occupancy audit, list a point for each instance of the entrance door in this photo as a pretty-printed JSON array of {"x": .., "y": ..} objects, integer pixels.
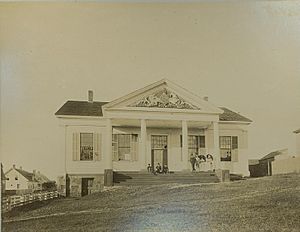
[
  {"x": 86, "y": 184},
  {"x": 159, "y": 150}
]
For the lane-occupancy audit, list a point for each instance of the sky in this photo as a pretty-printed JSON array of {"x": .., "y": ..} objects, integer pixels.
[{"x": 244, "y": 56}]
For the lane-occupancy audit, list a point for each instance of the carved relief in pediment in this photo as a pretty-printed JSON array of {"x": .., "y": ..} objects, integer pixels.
[{"x": 164, "y": 99}]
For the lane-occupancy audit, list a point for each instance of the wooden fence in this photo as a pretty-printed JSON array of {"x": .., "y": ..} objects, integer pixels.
[{"x": 10, "y": 202}]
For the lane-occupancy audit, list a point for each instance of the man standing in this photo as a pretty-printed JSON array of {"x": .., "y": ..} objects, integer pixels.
[{"x": 193, "y": 161}]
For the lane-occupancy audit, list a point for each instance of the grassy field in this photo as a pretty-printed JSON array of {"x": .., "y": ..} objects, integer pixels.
[{"x": 263, "y": 204}]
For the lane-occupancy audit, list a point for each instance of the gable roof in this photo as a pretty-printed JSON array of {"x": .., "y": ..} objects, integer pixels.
[
  {"x": 29, "y": 176},
  {"x": 164, "y": 86},
  {"x": 85, "y": 108},
  {"x": 230, "y": 115},
  {"x": 41, "y": 177},
  {"x": 81, "y": 108}
]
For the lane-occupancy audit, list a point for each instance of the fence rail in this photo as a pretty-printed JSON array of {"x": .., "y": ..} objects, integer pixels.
[{"x": 11, "y": 202}]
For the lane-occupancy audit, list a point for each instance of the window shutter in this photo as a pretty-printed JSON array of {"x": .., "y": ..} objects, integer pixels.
[
  {"x": 97, "y": 146},
  {"x": 234, "y": 155},
  {"x": 115, "y": 148},
  {"x": 234, "y": 152},
  {"x": 234, "y": 142},
  {"x": 202, "y": 141},
  {"x": 75, "y": 148},
  {"x": 133, "y": 147}
]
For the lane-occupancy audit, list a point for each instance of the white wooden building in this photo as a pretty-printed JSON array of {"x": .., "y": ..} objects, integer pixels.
[
  {"x": 160, "y": 123},
  {"x": 23, "y": 181}
]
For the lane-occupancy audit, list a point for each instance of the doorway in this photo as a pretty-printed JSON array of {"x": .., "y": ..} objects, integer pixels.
[
  {"x": 159, "y": 150},
  {"x": 86, "y": 185}
]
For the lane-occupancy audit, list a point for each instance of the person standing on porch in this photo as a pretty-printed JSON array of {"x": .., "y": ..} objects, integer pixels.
[
  {"x": 193, "y": 161},
  {"x": 197, "y": 163},
  {"x": 209, "y": 161},
  {"x": 202, "y": 162},
  {"x": 149, "y": 168}
]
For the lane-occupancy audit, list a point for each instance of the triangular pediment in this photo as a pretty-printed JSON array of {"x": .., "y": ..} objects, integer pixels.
[
  {"x": 164, "y": 98},
  {"x": 163, "y": 95}
]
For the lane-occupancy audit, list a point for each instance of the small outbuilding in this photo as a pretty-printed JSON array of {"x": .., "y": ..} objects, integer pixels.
[{"x": 263, "y": 166}]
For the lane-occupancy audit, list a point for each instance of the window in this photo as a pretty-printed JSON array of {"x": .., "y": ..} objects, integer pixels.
[
  {"x": 159, "y": 141},
  {"x": 18, "y": 186},
  {"x": 125, "y": 146},
  {"x": 86, "y": 146},
  {"x": 195, "y": 143},
  {"x": 228, "y": 148},
  {"x": 16, "y": 178}
]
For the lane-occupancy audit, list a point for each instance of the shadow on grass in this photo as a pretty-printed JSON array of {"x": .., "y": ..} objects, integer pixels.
[{"x": 17, "y": 211}]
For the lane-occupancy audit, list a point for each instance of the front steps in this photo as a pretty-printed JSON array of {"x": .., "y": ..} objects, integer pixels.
[{"x": 143, "y": 178}]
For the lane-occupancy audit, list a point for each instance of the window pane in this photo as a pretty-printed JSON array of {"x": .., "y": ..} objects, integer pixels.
[
  {"x": 225, "y": 148},
  {"x": 124, "y": 142},
  {"x": 225, "y": 142},
  {"x": 159, "y": 141},
  {"x": 86, "y": 146},
  {"x": 202, "y": 141}
]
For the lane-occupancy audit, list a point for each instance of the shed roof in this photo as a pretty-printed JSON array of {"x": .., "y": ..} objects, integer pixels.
[{"x": 273, "y": 154}]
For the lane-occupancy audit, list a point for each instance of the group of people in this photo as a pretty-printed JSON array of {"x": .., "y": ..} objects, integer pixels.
[
  {"x": 158, "y": 169},
  {"x": 202, "y": 162},
  {"x": 198, "y": 162}
]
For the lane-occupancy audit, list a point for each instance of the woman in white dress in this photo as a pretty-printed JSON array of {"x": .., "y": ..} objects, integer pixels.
[
  {"x": 202, "y": 162},
  {"x": 209, "y": 162}
]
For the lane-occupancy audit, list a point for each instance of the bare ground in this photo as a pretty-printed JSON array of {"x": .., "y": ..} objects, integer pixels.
[{"x": 263, "y": 204}]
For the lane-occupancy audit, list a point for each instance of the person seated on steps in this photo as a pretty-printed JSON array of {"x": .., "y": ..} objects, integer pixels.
[
  {"x": 165, "y": 169},
  {"x": 158, "y": 168},
  {"x": 149, "y": 168}
]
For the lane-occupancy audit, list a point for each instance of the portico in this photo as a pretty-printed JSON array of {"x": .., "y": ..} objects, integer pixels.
[{"x": 177, "y": 134}]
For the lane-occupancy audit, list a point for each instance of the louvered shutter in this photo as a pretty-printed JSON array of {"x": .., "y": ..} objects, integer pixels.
[
  {"x": 133, "y": 147},
  {"x": 234, "y": 152},
  {"x": 75, "y": 148},
  {"x": 97, "y": 146},
  {"x": 115, "y": 147}
]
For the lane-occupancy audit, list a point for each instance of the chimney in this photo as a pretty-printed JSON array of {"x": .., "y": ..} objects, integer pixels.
[
  {"x": 90, "y": 96},
  {"x": 34, "y": 172},
  {"x": 14, "y": 166},
  {"x": 205, "y": 98},
  {"x": 20, "y": 167}
]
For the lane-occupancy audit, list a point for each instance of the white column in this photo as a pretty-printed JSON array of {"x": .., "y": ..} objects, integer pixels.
[
  {"x": 108, "y": 153},
  {"x": 185, "y": 150},
  {"x": 143, "y": 147},
  {"x": 216, "y": 155}
]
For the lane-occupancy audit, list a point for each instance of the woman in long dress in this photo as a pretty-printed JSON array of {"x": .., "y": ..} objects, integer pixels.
[
  {"x": 209, "y": 162},
  {"x": 202, "y": 162}
]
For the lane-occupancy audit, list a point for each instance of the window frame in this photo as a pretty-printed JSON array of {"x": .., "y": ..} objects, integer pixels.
[
  {"x": 133, "y": 139},
  {"x": 199, "y": 142},
  {"x": 93, "y": 146},
  {"x": 228, "y": 146}
]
